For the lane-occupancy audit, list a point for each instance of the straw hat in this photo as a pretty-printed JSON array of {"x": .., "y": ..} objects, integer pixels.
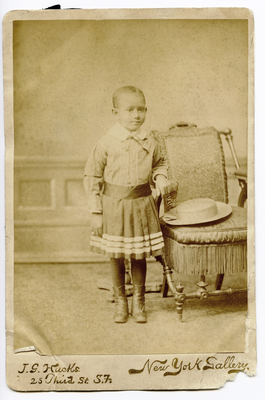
[{"x": 197, "y": 211}]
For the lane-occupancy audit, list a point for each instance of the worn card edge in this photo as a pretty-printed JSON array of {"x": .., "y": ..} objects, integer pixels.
[{"x": 8, "y": 101}]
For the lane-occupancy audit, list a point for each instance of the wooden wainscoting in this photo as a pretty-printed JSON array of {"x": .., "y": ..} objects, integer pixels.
[{"x": 51, "y": 212}]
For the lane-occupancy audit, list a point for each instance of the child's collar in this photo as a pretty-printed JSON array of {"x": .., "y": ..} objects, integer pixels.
[{"x": 121, "y": 133}]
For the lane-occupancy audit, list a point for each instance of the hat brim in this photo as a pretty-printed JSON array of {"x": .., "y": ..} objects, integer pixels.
[{"x": 224, "y": 210}]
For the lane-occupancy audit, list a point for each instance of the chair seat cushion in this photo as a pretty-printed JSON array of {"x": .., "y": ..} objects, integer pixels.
[{"x": 230, "y": 230}]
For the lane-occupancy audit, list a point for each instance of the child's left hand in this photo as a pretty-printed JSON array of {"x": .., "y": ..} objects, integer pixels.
[{"x": 164, "y": 186}]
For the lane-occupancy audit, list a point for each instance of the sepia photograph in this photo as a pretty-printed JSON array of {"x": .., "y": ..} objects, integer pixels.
[{"x": 130, "y": 198}]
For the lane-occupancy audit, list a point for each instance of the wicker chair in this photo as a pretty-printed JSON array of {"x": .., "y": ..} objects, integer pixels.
[{"x": 195, "y": 159}]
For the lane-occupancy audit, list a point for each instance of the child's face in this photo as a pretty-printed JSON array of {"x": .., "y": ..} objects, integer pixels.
[{"x": 131, "y": 111}]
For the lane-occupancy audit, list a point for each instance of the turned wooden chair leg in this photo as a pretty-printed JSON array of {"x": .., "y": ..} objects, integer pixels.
[
  {"x": 128, "y": 279},
  {"x": 219, "y": 281},
  {"x": 202, "y": 292},
  {"x": 243, "y": 194},
  {"x": 166, "y": 276},
  {"x": 168, "y": 283},
  {"x": 164, "y": 289},
  {"x": 180, "y": 299}
]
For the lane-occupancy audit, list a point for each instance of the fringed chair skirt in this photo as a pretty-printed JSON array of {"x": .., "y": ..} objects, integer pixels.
[
  {"x": 131, "y": 228},
  {"x": 213, "y": 248},
  {"x": 209, "y": 259}
]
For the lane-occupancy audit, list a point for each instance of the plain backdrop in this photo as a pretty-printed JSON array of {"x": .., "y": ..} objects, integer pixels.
[
  {"x": 243, "y": 387},
  {"x": 66, "y": 71}
]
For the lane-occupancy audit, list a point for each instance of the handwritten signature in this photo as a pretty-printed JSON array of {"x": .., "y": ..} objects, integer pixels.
[{"x": 176, "y": 366}]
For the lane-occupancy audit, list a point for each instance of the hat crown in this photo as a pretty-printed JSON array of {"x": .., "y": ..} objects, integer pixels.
[{"x": 196, "y": 210}]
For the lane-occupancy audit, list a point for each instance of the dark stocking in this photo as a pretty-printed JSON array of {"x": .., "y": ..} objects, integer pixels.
[
  {"x": 117, "y": 269},
  {"x": 138, "y": 272}
]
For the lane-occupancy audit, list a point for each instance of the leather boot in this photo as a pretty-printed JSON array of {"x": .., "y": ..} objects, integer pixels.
[
  {"x": 121, "y": 305},
  {"x": 138, "y": 304}
]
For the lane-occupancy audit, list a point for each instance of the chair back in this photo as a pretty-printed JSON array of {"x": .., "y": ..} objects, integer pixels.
[{"x": 196, "y": 160}]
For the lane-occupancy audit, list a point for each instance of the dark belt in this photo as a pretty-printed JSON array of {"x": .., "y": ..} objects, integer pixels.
[{"x": 126, "y": 192}]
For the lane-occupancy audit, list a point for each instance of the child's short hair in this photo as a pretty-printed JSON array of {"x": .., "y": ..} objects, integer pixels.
[{"x": 123, "y": 90}]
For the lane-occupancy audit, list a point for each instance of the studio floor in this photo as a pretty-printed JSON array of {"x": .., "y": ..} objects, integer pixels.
[{"x": 59, "y": 309}]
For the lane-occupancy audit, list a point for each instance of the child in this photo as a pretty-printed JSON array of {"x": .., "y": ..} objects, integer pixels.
[{"x": 124, "y": 218}]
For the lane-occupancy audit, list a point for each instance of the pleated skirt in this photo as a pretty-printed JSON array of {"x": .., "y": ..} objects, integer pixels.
[{"x": 131, "y": 229}]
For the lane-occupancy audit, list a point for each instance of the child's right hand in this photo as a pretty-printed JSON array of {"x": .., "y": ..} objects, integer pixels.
[{"x": 97, "y": 225}]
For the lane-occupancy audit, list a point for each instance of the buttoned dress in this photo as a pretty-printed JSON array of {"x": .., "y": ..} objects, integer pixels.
[{"x": 131, "y": 227}]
